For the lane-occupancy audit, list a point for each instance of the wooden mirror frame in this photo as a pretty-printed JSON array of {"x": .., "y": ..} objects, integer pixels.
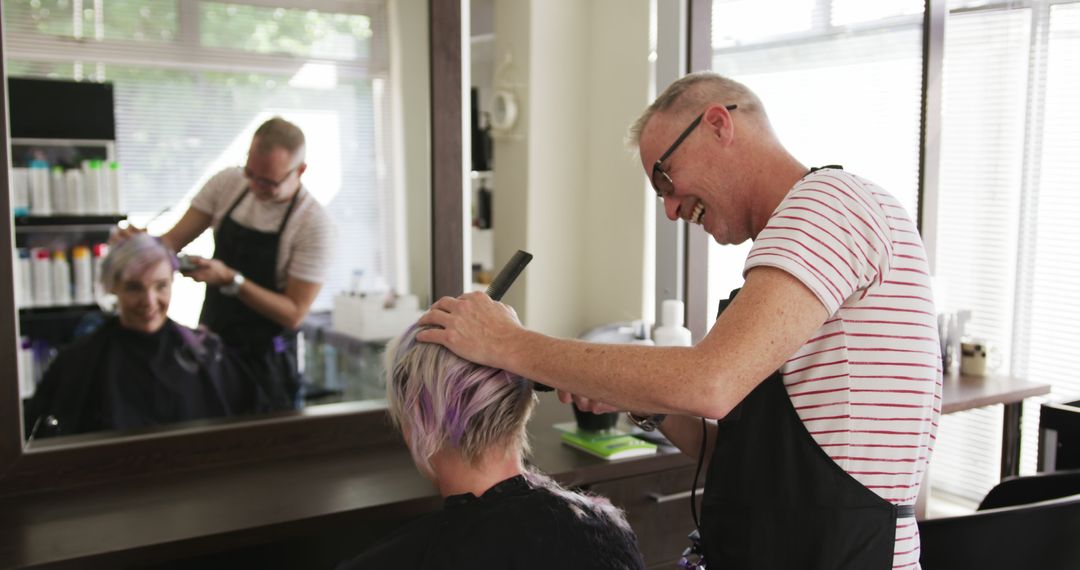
[{"x": 314, "y": 430}]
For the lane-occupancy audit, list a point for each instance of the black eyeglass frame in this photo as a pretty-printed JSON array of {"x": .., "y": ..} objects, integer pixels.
[
  {"x": 266, "y": 182},
  {"x": 657, "y": 169}
]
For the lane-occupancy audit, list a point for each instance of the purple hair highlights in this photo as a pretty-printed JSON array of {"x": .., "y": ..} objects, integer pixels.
[{"x": 443, "y": 401}]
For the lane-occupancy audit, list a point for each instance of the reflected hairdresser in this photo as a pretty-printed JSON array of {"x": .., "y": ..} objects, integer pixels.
[{"x": 272, "y": 242}]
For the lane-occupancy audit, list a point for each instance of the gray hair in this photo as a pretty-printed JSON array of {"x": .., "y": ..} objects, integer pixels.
[
  {"x": 132, "y": 257},
  {"x": 691, "y": 94},
  {"x": 279, "y": 133},
  {"x": 445, "y": 401}
]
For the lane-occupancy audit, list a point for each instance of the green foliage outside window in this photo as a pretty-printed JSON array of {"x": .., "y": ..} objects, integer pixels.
[
  {"x": 304, "y": 33},
  {"x": 139, "y": 20}
]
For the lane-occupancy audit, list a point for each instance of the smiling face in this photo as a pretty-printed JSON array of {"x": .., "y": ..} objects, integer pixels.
[
  {"x": 143, "y": 299},
  {"x": 271, "y": 173},
  {"x": 700, "y": 183}
]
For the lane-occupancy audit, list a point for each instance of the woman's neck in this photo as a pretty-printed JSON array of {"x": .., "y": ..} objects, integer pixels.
[{"x": 456, "y": 476}]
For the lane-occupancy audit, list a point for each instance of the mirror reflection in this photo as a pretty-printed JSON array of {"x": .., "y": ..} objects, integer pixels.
[
  {"x": 139, "y": 368},
  {"x": 260, "y": 142}
]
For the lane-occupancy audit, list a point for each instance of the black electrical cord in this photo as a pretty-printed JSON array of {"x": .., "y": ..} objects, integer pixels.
[{"x": 697, "y": 473}]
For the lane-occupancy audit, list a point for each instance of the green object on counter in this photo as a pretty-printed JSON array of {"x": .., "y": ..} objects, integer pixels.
[{"x": 608, "y": 444}]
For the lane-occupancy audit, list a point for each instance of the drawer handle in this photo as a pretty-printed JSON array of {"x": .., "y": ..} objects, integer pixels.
[{"x": 660, "y": 499}]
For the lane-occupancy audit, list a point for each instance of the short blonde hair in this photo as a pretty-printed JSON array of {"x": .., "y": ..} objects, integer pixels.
[
  {"x": 447, "y": 402},
  {"x": 691, "y": 94}
]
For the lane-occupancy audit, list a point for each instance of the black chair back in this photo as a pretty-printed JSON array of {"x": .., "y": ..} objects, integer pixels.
[
  {"x": 1043, "y": 535},
  {"x": 1032, "y": 489}
]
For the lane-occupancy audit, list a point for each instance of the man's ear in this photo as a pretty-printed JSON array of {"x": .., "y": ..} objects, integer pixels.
[
  {"x": 300, "y": 169},
  {"x": 718, "y": 120}
]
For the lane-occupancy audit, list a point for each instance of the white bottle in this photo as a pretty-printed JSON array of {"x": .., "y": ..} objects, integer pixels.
[
  {"x": 61, "y": 278},
  {"x": 20, "y": 191},
  {"x": 100, "y": 251},
  {"x": 40, "y": 202},
  {"x": 26, "y": 368},
  {"x": 114, "y": 188},
  {"x": 671, "y": 331},
  {"x": 75, "y": 194},
  {"x": 81, "y": 268},
  {"x": 58, "y": 190},
  {"x": 41, "y": 274},
  {"x": 91, "y": 187}
]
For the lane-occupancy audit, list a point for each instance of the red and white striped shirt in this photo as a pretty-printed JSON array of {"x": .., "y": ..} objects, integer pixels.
[{"x": 867, "y": 384}]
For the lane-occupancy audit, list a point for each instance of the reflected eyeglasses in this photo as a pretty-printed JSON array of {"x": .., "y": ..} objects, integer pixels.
[
  {"x": 266, "y": 182},
  {"x": 661, "y": 180}
]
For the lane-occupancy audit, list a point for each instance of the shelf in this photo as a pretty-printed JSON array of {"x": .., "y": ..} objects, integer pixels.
[
  {"x": 58, "y": 311},
  {"x": 66, "y": 222}
]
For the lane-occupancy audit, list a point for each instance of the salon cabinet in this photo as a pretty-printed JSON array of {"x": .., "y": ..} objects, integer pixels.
[
  {"x": 657, "y": 506},
  {"x": 309, "y": 511}
]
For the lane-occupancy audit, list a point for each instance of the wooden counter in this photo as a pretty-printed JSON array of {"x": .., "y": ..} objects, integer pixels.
[
  {"x": 302, "y": 512},
  {"x": 960, "y": 393}
]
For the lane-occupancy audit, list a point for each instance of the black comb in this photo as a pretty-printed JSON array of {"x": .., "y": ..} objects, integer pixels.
[
  {"x": 509, "y": 273},
  {"x": 502, "y": 283}
]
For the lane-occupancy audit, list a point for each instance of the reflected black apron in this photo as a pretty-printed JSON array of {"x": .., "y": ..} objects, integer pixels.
[
  {"x": 265, "y": 346},
  {"x": 774, "y": 499}
]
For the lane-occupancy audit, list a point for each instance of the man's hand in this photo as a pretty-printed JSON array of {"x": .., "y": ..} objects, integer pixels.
[
  {"x": 210, "y": 271},
  {"x": 473, "y": 326},
  {"x": 122, "y": 233},
  {"x": 586, "y": 405}
]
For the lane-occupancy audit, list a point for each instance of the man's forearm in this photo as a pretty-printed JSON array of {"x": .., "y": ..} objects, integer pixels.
[
  {"x": 671, "y": 380},
  {"x": 275, "y": 306}
]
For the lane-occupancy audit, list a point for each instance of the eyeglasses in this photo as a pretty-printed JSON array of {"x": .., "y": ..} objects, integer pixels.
[
  {"x": 661, "y": 180},
  {"x": 266, "y": 182}
]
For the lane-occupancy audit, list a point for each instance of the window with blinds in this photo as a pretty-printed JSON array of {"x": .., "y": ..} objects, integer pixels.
[
  {"x": 192, "y": 81},
  {"x": 841, "y": 81},
  {"x": 1007, "y": 211}
]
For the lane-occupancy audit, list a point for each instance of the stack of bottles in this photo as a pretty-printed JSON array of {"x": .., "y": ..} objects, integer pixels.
[
  {"x": 46, "y": 278},
  {"x": 41, "y": 190}
]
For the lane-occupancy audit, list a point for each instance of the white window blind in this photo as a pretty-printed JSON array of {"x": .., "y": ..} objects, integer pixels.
[
  {"x": 1007, "y": 212},
  {"x": 192, "y": 81},
  {"x": 842, "y": 83}
]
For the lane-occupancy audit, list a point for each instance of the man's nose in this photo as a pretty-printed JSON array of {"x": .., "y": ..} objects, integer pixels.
[{"x": 671, "y": 207}]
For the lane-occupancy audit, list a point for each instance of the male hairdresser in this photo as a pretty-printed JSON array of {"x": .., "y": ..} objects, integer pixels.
[
  {"x": 824, "y": 371},
  {"x": 271, "y": 246}
]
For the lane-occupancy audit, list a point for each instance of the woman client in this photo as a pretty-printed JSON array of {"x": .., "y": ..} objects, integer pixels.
[
  {"x": 465, "y": 427},
  {"x": 140, "y": 368}
]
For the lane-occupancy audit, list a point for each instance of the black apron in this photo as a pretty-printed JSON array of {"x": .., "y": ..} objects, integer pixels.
[
  {"x": 774, "y": 499},
  {"x": 265, "y": 346}
]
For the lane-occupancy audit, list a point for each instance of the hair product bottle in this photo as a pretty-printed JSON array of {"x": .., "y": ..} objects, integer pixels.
[{"x": 671, "y": 331}]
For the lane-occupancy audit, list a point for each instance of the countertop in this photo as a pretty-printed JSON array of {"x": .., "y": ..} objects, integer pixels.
[{"x": 187, "y": 514}]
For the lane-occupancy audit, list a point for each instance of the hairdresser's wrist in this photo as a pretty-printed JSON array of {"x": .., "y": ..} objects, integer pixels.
[{"x": 516, "y": 353}]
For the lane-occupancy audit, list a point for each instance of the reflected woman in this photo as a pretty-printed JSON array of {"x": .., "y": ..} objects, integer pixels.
[
  {"x": 465, "y": 426},
  {"x": 140, "y": 368}
]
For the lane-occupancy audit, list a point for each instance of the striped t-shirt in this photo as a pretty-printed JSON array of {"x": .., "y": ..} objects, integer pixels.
[{"x": 867, "y": 384}]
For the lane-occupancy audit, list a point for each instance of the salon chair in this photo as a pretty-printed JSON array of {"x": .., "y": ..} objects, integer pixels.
[{"x": 1024, "y": 522}]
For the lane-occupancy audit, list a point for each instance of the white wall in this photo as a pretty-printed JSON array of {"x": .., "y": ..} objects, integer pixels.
[
  {"x": 411, "y": 116},
  {"x": 566, "y": 188},
  {"x": 619, "y": 227}
]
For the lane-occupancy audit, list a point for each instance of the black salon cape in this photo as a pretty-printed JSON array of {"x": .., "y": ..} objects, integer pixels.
[
  {"x": 116, "y": 378},
  {"x": 511, "y": 526}
]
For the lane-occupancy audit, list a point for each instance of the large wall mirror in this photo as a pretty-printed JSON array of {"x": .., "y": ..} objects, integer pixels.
[{"x": 120, "y": 112}]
